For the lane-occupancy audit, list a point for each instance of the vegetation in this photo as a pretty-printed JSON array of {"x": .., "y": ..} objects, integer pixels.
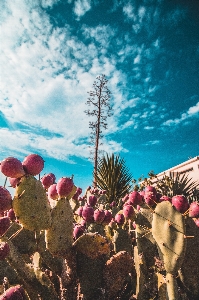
[
  {"x": 100, "y": 101},
  {"x": 58, "y": 245},
  {"x": 114, "y": 177}
]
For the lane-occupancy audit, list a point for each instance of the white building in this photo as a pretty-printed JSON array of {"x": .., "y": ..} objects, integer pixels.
[{"x": 190, "y": 167}]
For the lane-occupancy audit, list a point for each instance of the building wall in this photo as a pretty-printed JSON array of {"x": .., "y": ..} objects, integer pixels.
[{"x": 189, "y": 167}]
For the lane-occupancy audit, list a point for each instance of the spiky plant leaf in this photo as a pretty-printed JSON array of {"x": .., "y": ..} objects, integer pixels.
[
  {"x": 114, "y": 177},
  {"x": 177, "y": 184}
]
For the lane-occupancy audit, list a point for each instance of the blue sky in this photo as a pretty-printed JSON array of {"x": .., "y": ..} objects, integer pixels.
[{"x": 51, "y": 53}]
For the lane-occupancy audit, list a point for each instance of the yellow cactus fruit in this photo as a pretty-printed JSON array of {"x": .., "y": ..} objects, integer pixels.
[
  {"x": 31, "y": 205},
  {"x": 59, "y": 237},
  {"x": 92, "y": 245}
]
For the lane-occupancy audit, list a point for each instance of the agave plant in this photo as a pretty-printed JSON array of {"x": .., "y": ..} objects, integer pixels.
[
  {"x": 178, "y": 184},
  {"x": 114, "y": 177}
]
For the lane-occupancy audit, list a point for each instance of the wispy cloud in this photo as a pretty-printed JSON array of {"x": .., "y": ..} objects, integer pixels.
[
  {"x": 192, "y": 112},
  {"x": 46, "y": 71},
  {"x": 150, "y": 143}
]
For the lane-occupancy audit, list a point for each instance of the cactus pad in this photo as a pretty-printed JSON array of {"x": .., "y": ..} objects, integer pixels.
[
  {"x": 92, "y": 245},
  {"x": 115, "y": 272},
  {"x": 168, "y": 229},
  {"x": 31, "y": 205},
  {"x": 59, "y": 237}
]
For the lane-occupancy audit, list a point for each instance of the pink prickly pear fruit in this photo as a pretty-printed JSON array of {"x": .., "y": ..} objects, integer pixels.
[
  {"x": 99, "y": 216},
  {"x": 13, "y": 181},
  {"x": 5, "y": 199},
  {"x": 83, "y": 223},
  {"x": 113, "y": 223},
  {"x": 78, "y": 230},
  {"x": 108, "y": 217},
  {"x": 180, "y": 202},
  {"x": 125, "y": 198},
  {"x": 96, "y": 191},
  {"x": 196, "y": 222},
  {"x": 135, "y": 198},
  {"x": 14, "y": 293},
  {"x": 11, "y": 215},
  {"x": 79, "y": 191},
  {"x": 150, "y": 198},
  {"x": 79, "y": 211},
  {"x": 47, "y": 180},
  {"x": 158, "y": 197},
  {"x": 194, "y": 210},
  {"x": 33, "y": 164},
  {"x": 128, "y": 211},
  {"x": 128, "y": 202},
  {"x": 165, "y": 198},
  {"x": 119, "y": 219},
  {"x": 142, "y": 193},
  {"x": 134, "y": 225},
  {"x": 103, "y": 192},
  {"x": 4, "y": 224},
  {"x": 12, "y": 167},
  {"x": 92, "y": 200},
  {"x": 52, "y": 192},
  {"x": 87, "y": 213},
  {"x": 113, "y": 204},
  {"x": 53, "y": 176},
  {"x": 4, "y": 250},
  {"x": 150, "y": 188},
  {"x": 64, "y": 186}
]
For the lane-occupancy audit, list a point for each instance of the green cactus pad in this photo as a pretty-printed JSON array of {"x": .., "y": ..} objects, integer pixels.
[
  {"x": 92, "y": 245},
  {"x": 168, "y": 229},
  {"x": 24, "y": 239},
  {"x": 145, "y": 241},
  {"x": 59, "y": 237},
  {"x": 31, "y": 205},
  {"x": 115, "y": 272},
  {"x": 122, "y": 241},
  {"x": 90, "y": 275},
  {"x": 189, "y": 271}
]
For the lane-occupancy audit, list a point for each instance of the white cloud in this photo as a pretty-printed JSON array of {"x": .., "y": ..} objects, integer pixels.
[
  {"x": 192, "y": 112},
  {"x": 154, "y": 142},
  {"x": 148, "y": 127},
  {"x": 81, "y": 7},
  {"x": 128, "y": 10},
  {"x": 48, "y": 3},
  {"x": 45, "y": 79}
]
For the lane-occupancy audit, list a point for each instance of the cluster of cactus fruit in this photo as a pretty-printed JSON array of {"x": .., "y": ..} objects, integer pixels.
[{"x": 56, "y": 244}]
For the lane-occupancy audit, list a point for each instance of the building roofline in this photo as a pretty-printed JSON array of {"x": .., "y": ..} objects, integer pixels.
[{"x": 180, "y": 165}]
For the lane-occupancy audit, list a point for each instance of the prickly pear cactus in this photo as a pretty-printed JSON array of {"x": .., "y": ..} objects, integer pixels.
[
  {"x": 31, "y": 205},
  {"x": 116, "y": 271},
  {"x": 59, "y": 237},
  {"x": 90, "y": 275},
  {"x": 145, "y": 241},
  {"x": 22, "y": 238},
  {"x": 122, "y": 241},
  {"x": 92, "y": 245},
  {"x": 92, "y": 251},
  {"x": 168, "y": 229},
  {"x": 189, "y": 271},
  {"x": 141, "y": 274}
]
